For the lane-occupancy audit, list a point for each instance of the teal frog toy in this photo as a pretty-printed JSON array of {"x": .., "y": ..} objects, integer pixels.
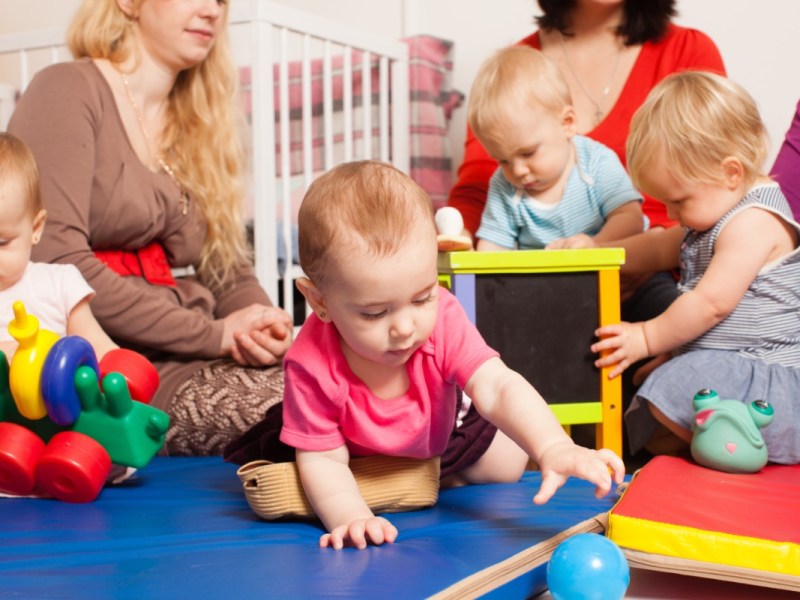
[{"x": 726, "y": 433}]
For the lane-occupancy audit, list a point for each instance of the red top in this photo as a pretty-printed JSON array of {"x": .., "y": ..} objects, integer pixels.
[{"x": 678, "y": 50}]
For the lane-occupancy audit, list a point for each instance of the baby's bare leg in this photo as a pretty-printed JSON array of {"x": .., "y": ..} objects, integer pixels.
[
  {"x": 669, "y": 438},
  {"x": 503, "y": 462}
]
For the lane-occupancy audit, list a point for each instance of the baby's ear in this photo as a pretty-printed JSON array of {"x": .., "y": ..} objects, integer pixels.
[
  {"x": 38, "y": 225},
  {"x": 732, "y": 171},
  {"x": 569, "y": 121},
  {"x": 314, "y": 297}
]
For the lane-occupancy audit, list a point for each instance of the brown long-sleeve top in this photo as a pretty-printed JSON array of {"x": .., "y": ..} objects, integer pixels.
[{"x": 100, "y": 196}]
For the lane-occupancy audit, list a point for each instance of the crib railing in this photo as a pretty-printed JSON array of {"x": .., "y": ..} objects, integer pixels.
[
  {"x": 21, "y": 55},
  {"x": 304, "y": 113},
  {"x": 320, "y": 93}
]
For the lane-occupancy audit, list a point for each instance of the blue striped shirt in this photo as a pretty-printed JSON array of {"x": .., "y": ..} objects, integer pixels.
[{"x": 597, "y": 185}]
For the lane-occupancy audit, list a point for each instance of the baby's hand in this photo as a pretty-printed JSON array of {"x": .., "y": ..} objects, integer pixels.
[
  {"x": 565, "y": 460},
  {"x": 358, "y": 533},
  {"x": 627, "y": 343},
  {"x": 576, "y": 241}
]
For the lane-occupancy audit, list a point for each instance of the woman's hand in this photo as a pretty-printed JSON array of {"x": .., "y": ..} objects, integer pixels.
[
  {"x": 258, "y": 335},
  {"x": 627, "y": 342},
  {"x": 359, "y": 533}
]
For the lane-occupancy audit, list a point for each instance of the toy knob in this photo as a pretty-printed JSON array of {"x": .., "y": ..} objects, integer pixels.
[
  {"x": 26, "y": 366},
  {"x": 157, "y": 426},
  {"x": 24, "y": 327},
  {"x": 449, "y": 225},
  {"x": 88, "y": 388},
  {"x": 449, "y": 221},
  {"x": 118, "y": 398}
]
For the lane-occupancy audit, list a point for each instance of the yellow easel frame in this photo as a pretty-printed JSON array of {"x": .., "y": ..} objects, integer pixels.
[{"x": 606, "y": 413}]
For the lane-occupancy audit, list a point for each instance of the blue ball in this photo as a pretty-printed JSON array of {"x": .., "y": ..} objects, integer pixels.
[{"x": 588, "y": 566}]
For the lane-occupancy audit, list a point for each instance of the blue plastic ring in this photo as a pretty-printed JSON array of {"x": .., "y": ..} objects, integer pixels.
[{"x": 58, "y": 377}]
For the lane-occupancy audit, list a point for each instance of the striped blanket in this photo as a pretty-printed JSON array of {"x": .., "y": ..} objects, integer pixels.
[{"x": 432, "y": 101}]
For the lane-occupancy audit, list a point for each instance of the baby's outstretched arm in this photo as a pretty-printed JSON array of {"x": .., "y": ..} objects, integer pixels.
[
  {"x": 508, "y": 401},
  {"x": 332, "y": 491}
]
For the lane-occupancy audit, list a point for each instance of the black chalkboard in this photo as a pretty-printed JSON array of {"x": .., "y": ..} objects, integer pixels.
[{"x": 542, "y": 324}]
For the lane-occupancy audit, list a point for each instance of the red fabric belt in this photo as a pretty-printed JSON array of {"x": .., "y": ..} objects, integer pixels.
[{"x": 149, "y": 262}]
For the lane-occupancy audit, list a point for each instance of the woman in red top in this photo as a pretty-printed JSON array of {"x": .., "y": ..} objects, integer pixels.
[{"x": 613, "y": 53}]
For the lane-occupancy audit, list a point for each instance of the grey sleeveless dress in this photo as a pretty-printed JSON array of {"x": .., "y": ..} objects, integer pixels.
[{"x": 752, "y": 354}]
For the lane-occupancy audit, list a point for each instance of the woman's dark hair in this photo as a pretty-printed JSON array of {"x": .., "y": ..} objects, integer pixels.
[{"x": 644, "y": 20}]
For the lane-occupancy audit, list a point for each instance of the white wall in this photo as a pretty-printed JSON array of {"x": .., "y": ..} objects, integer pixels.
[
  {"x": 760, "y": 46},
  {"x": 758, "y": 39}
]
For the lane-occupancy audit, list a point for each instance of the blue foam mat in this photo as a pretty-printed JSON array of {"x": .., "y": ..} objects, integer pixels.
[{"x": 182, "y": 529}]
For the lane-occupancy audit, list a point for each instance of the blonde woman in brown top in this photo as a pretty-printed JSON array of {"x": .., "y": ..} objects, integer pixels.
[{"x": 141, "y": 165}]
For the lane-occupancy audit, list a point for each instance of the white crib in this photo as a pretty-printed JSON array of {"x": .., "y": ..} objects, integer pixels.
[{"x": 306, "y": 81}]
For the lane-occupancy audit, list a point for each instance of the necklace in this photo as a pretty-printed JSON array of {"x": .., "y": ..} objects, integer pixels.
[
  {"x": 151, "y": 150},
  {"x": 598, "y": 106}
]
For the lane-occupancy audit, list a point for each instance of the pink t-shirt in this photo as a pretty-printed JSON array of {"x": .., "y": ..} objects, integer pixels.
[{"x": 326, "y": 406}]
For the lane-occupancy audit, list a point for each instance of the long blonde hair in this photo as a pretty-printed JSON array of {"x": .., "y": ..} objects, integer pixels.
[{"x": 201, "y": 136}]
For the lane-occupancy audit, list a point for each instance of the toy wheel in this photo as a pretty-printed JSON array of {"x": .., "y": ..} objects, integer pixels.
[
  {"x": 73, "y": 467},
  {"x": 20, "y": 450},
  {"x": 140, "y": 374}
]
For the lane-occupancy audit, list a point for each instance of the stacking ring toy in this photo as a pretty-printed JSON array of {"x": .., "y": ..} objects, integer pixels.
[{"x": 58, "y": 377}]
